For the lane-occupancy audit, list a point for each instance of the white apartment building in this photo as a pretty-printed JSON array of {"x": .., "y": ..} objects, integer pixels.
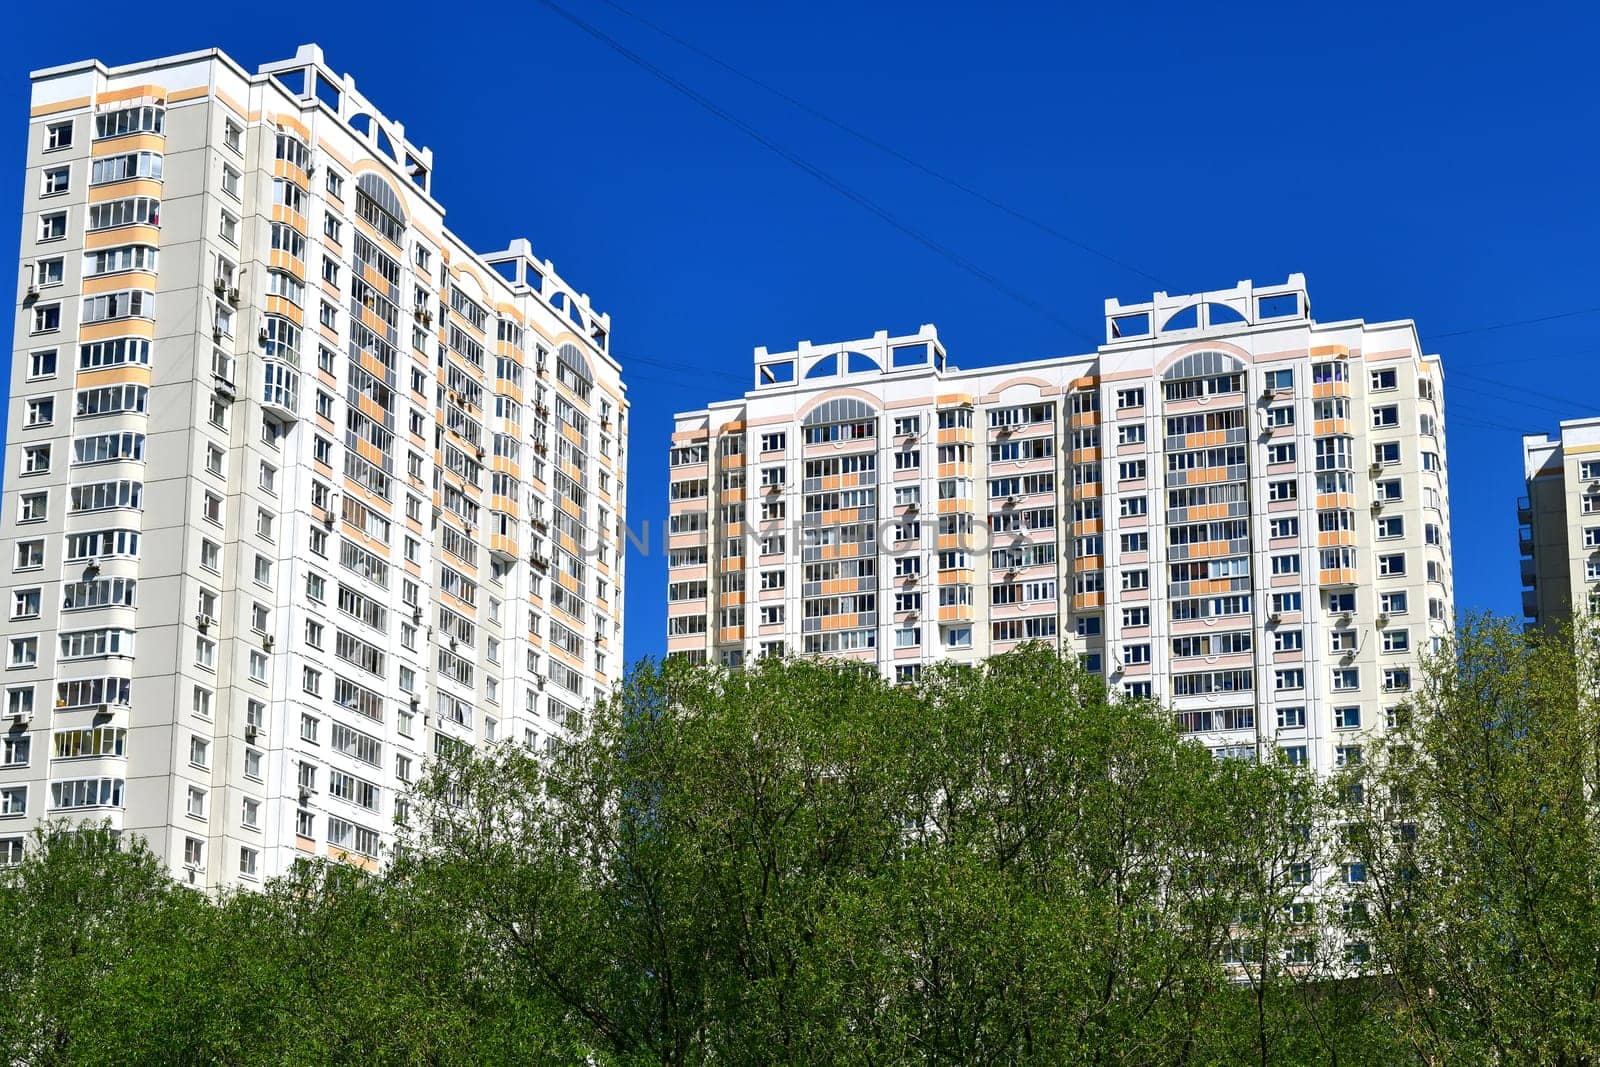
[
  {"x": 300, "y": 489},
  {"x": 1228, "y": 506},
  {"x": 1559, "y": 523}
]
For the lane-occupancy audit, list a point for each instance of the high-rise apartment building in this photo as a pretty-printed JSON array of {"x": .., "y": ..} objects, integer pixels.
[
  {"x": 299, "y": 488},
  {"x": 1559, "y": 523},
  {"x": 1228, "y": 506}
]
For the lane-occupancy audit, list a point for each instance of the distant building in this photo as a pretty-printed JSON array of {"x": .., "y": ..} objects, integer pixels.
[
  {"x": 1228, "y": 506},
  {"x": 1559, "y": 523}
]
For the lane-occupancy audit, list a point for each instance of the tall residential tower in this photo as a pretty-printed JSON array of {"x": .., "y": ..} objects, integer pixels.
[
  {"x": 1228, "y": 506},
  {"x": 1559, "y": 523},
  {"x": 300, "y": 489}
]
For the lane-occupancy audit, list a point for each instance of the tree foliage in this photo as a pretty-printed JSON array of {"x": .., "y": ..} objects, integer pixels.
[{"x": 801, "y": 863}]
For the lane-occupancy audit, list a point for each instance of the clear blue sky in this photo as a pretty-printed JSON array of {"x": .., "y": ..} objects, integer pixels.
[{"x": 1434, "y": 164}]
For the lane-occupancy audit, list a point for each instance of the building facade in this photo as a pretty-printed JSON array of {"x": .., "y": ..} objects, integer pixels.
[
  {"x": 300, "y": 489},
  {"x": 1559, "y": 523},
  {"x": 1229, "y": 506}
]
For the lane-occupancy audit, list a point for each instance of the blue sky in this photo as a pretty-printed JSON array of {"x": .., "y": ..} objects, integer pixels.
[{"x": 1436, "y": 164}]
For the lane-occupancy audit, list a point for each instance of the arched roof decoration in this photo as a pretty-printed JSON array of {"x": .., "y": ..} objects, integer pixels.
[
  {"x": 1202, "y": 364},
  {"x": 573, "y": 357},
  {"x": 842, "y": 409},
  {"x": 381, "y": 195}
]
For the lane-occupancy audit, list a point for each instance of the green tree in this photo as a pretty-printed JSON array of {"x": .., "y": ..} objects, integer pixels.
[
  {"x": 1478, "y": 834},
  {"x": 800, "y": 862}
]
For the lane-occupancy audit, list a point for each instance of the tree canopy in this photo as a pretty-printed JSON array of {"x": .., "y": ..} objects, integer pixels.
[{"x": 800, "y": 862}]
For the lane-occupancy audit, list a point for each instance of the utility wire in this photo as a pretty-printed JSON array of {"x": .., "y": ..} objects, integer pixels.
[
  {"x": 1514, "y": 323},
  {"x": 815, "y": 171},
  {"x": 886, "y": 149}
]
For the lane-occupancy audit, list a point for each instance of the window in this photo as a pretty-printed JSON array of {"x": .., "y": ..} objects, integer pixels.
[
  {"x": 1130, "y": 470},
  {"x": 40, "y": 411},
  {"x": 1386, "y": 453},
  {"x": 1392, "y": 565},
  {"x": 1347, "y": 718},
  {"x": 16, "y": 750},
  {"x": 1131, "y": 433},
  {"x": 1288, "y": 489},
  {"x": 33, "y": 507},
  {"x": 228, "y": 228},
  {"x": 1390, "y": 526},
  {"x": 1135, "y": 579},
  {"x": 1346, "y": 678},
  {"x": 52, "y": 226},
  {"x": 1383, "y": 380},
  {"x": 1282, "y": 565},
  {"x": 1130, "y": 398},
  {"x": 57, "y": 135},
  {"x": 1292, "y": 718},
  {"x": 194, "y": 853},
  {"x": 1281, "y": 453},
  {"x": 195, "y": 806},
  {"x": 199, "y": 751},
  {"x": 1278, "y": 380},
  {"x": 41, "y": 364},
  {"x": 46, "y": 318},
  {"x": 13, "y": 800}
]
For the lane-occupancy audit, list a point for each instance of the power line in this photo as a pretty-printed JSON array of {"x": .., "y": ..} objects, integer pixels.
[
  {"x": 1514, "y": 323},
  {"x": 815, "y": 171},
  {"x": 886, "y": 149}
]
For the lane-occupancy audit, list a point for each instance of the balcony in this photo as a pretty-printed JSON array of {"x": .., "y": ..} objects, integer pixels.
[
  {"x": 280, "y": 394},
  {"x": 1524, "y": 511}
]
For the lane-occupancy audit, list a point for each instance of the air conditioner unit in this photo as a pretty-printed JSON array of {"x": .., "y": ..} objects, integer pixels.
[
  {"x": 216, "y": 334},
  {"x": 267, "y": 642},
  {"x": 21, "y": 717},
  {"x": 416, "y": 616},
  {"x": 262, "y": 335},
  {"x": 1268, "y": 393},
  {"x": 1011, "y": 501},
  {"x": 305, "y": 795},
  {"x": 327, "y": 520},
  {"x": 251, "y": 732},
  {"x": 102, "y": 711},
  {"x": 233, "y": 296},
  {"x": 416, "y": 702},
  {"x": 1375, "y": 469},
  {"x": 220, "y": 285},
  {"x": 1346, "y": 617},
  {"x": 1383, "y": 619},
  {"x": 1274, "y": 619},
  {"x": 480, "y": 452},
  {"x": 203, "y": 621},
  {"x": 1377, "y": 506}
]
